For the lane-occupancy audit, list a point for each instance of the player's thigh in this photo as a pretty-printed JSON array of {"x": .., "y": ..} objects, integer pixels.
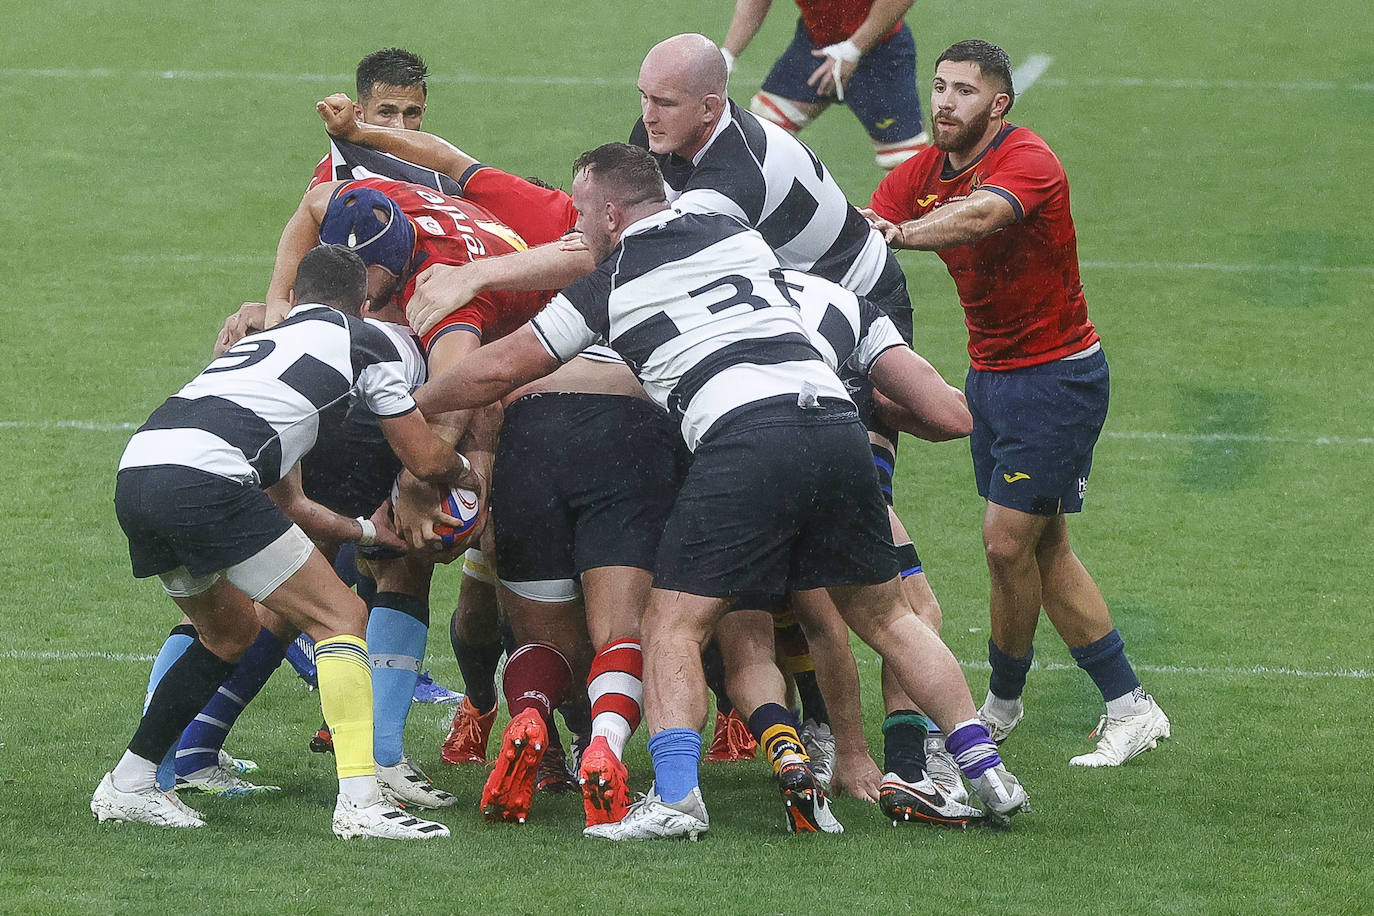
[
  {"x": 559, "y": 623},
  {"x": 789, "y": 73},
  {"x": 314, "y": 599},
  {"x": 224, "y": 618},
  {"x": 883, "y": 94}
]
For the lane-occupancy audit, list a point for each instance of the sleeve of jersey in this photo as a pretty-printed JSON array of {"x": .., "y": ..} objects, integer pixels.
[
  {"x": 323, "y": 172},
  {"x": 1026, "y": 175},
  {"x": 880, "y": 335},
  {"x": 576, "y": 318},
  {"x": 891, "y": 197},
  {"x": 474, "y": 318},
  {"x": 538, "y": 214},
  {"x": 382, "y": 379}
]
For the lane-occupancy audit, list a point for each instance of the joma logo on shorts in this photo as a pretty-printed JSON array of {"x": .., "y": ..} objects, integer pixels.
[{"x": 1012, "y": 478}]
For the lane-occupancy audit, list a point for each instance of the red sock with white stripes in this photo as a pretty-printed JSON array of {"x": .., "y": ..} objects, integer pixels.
[
  {"x": 537, "y": 677},
  {"x": 616, "y": 689}
]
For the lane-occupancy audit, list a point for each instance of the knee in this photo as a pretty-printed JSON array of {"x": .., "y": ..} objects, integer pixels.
[
  {"x": 1005, "y": 551},
  {"x": 789, "y": 115}
]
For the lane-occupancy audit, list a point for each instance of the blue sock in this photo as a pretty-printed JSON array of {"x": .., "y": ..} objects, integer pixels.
[
  {"x": 1106, "y": 663},
  {"x": 677, "y": 756},
  {"x": 177, "y": 642},
  {"x": 1008, "y": 677},
  {"x": 396, "y": 640},
  {"x": 202, "y": 740}
]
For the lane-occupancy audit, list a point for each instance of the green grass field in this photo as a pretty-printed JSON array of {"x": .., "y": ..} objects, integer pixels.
[{"x": 1226, "y": 227}]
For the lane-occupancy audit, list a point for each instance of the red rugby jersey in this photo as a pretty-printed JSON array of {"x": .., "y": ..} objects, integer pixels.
[
  {"x": 451, "y": 230},
  {"x": 540, "y": 215},
  {"x": 1022, "y": 296},
  {"x": 829, "y": 22}
]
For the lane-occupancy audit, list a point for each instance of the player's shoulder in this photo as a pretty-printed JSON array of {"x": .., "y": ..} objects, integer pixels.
[{"x": 1015, "y": 140}]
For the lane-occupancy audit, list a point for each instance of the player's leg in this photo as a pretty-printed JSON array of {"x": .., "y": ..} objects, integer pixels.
[
  {"x": 785, "y": 97},
  {"x": 615, "y": 598},
  {"x": 884, "y": 97},
  {"x": 548, "y": 627},
  {"x": 475, "y": 634}
]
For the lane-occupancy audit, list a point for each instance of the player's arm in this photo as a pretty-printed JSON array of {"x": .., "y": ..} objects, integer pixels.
[
  {"x": 417, "y": 506},
  {"x": 443, "y": 289},
  {"x": 959, "y": 223},
  {"x": 492, "y": 371},
  {"x": 744, "y": 25},
  {"x": 302, "y": 233},
  {"x": 915, "y": 399},
  {"x": 842, "y": 59},
  {"x": 415, "y": 146},
  {"x": 322, "y": 524}
]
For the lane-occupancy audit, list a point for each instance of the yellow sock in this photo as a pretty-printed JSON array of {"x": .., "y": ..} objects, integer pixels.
[
  {"x": 782, "y": 742},
  {"x": 345, "y": 678}
]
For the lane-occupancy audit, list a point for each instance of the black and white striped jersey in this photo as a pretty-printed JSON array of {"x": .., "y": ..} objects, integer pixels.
[
  {"x": 252, "y": 413},
  {"x": 757, "y": 172},
  {"x": 849, "y": 331},
  {"x": 692, "y": 303}
]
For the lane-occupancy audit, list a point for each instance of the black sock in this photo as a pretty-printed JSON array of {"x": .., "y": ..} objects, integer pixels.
[
  {"x": 183, "y": 691},
  {"x": 904, "y": 738},
  {"x": 812, "y": 700},
  {"x": 478, "y": 666},
  {"x": 714, "y": 665}
]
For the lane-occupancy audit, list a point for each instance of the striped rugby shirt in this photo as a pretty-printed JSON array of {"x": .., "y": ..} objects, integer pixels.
[
  {"x": 252, "y": 413},
  {"x": 693, "y": 304}
]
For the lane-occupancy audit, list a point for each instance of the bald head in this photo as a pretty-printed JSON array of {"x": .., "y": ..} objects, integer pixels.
[
  {"x": 690, "y": 61},
  {"x": 682, "y": 93}
]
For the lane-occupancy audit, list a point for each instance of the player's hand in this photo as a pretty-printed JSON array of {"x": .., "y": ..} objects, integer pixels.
[
  {"x": 891, "y": 231},
  {"x": 340, "y": 117},
  {"x": 416, "y": 510},
  {"x": 247, "y": 320},
  {"x": 386, "y": 534},
  {"x": 838, "y": 63},
  {"x": 572, "y": 241},
  {"x": 856, "y": 774},
  {"x": 439, "y": 292}
]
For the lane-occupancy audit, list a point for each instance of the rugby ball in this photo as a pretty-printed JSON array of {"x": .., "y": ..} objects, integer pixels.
[{"x": 460, "y": 503}]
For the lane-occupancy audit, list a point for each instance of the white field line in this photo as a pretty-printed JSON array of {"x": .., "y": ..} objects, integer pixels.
[
  {"x": 519, "y": 79},
  {"x": 1031, "y": 69},
  {"x": 210, "y": 257},
  {"x": 1142, "y": 435},
  {"x": 1357, "y": 674}
]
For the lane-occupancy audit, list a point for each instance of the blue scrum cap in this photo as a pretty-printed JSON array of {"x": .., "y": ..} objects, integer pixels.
[{"x": 352, "y": 220}]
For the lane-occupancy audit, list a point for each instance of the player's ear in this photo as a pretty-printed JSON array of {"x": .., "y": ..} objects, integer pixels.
[
  {"x": 1000, "y": 103},
  {"x": 713, "y": 104},
  {"x": 291, "y": 299}
]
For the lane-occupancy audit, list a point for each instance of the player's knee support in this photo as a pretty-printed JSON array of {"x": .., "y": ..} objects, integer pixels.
[{"x": 785, "y": 113}]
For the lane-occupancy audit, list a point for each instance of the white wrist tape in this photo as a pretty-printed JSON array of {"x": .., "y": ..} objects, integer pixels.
[
  {"x": 369, "y": 536},
  {"x": 844, "y": 52},
  {"x": 729, "y": 61},
  {"x": 467, "y": 465}
]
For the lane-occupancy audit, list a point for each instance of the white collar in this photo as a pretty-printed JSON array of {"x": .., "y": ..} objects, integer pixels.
[{"x": 724, "y": 122}]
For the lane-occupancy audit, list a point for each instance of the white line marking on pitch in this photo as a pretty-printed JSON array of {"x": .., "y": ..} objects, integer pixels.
[
  {"x": 1031, "y": 69},
  {"x": 1321, "y": 441},
  {"x": 518, "y": 79},
  {"x": 1357, "y": 674}
]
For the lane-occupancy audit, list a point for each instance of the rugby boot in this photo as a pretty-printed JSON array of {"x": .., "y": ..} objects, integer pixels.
[
  {"x": 732, "y": 740},
  {"x": 510, "y": 786},
  {"x": 923, "y": 802},
  {"x": 605, "y": 784},
  {"x": 804, "y": 801},
  {"x": 468, "y": 735}
]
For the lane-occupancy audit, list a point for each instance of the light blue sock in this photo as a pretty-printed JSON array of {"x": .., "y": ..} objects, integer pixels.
[
  {"x": 396, "y": 641},
  {"x": 177, "y": 642},
  {"x": 677, "y": 757}
]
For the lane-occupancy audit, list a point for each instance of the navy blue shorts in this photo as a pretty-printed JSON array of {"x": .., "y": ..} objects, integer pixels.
[
  {"x": 778, "y": 500},
  {"x": 1034, "y": 430},
  {"x": 882, "y": 93}
]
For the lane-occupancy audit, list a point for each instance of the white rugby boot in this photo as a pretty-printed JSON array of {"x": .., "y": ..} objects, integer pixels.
[
  {"x": 819, "y": 742},
  {"x": 146, "y": 806},
  {"x": 943, "y": 771},
  {"x": 381, "y": 819},
  {"x": 1001, "y": 795},
  {"x": 221, "y": 780},
  {"x": 1119, "y": 740},
  {"x": 407, "y": 784},
  {"x": 651, "y": 818}
]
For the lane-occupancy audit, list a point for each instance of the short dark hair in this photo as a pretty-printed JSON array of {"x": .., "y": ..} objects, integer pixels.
[
  {"x": 629, "y": 174},
  {"x": 391, "y": 67},
  {"x": 332, "y": 275},
  {"x": 992, "y": 61}
]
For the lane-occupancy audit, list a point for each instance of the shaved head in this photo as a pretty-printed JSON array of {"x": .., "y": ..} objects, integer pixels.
[
  {"x": 682, "y": 93},
  {"x": 692, "y": 62}
]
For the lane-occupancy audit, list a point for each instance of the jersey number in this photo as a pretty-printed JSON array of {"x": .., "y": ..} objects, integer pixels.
[{"x": 242, "y": 355}]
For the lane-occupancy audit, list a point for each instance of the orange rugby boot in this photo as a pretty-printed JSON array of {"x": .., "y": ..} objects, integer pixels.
[
  {"x": 732, "y": 741},
  {"x": 605, "y": 784},
  {"x": 467, "y": 736},
  {"x": 510, "y": 787}
]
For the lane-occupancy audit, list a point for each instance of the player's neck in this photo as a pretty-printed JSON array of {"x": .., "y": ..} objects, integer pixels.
[{"x": 960, "y": 159}]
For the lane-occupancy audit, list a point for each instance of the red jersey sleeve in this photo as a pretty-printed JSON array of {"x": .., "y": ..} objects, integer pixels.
[
  {"x": 1027, "y": 174},
  {"x": 540, "y": 215},
  {"x": 895, "y": 197},
  {"x": 477, "y": 317},
  {"x": 323, "y": 172}
]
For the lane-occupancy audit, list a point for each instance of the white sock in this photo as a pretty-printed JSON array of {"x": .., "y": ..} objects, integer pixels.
[
  {"x": 134, "y": 774},
  {"x": 363, "y": 791},
  {"x": 1001, "y": 708},
  {"x": 1131, "y": 704}
]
